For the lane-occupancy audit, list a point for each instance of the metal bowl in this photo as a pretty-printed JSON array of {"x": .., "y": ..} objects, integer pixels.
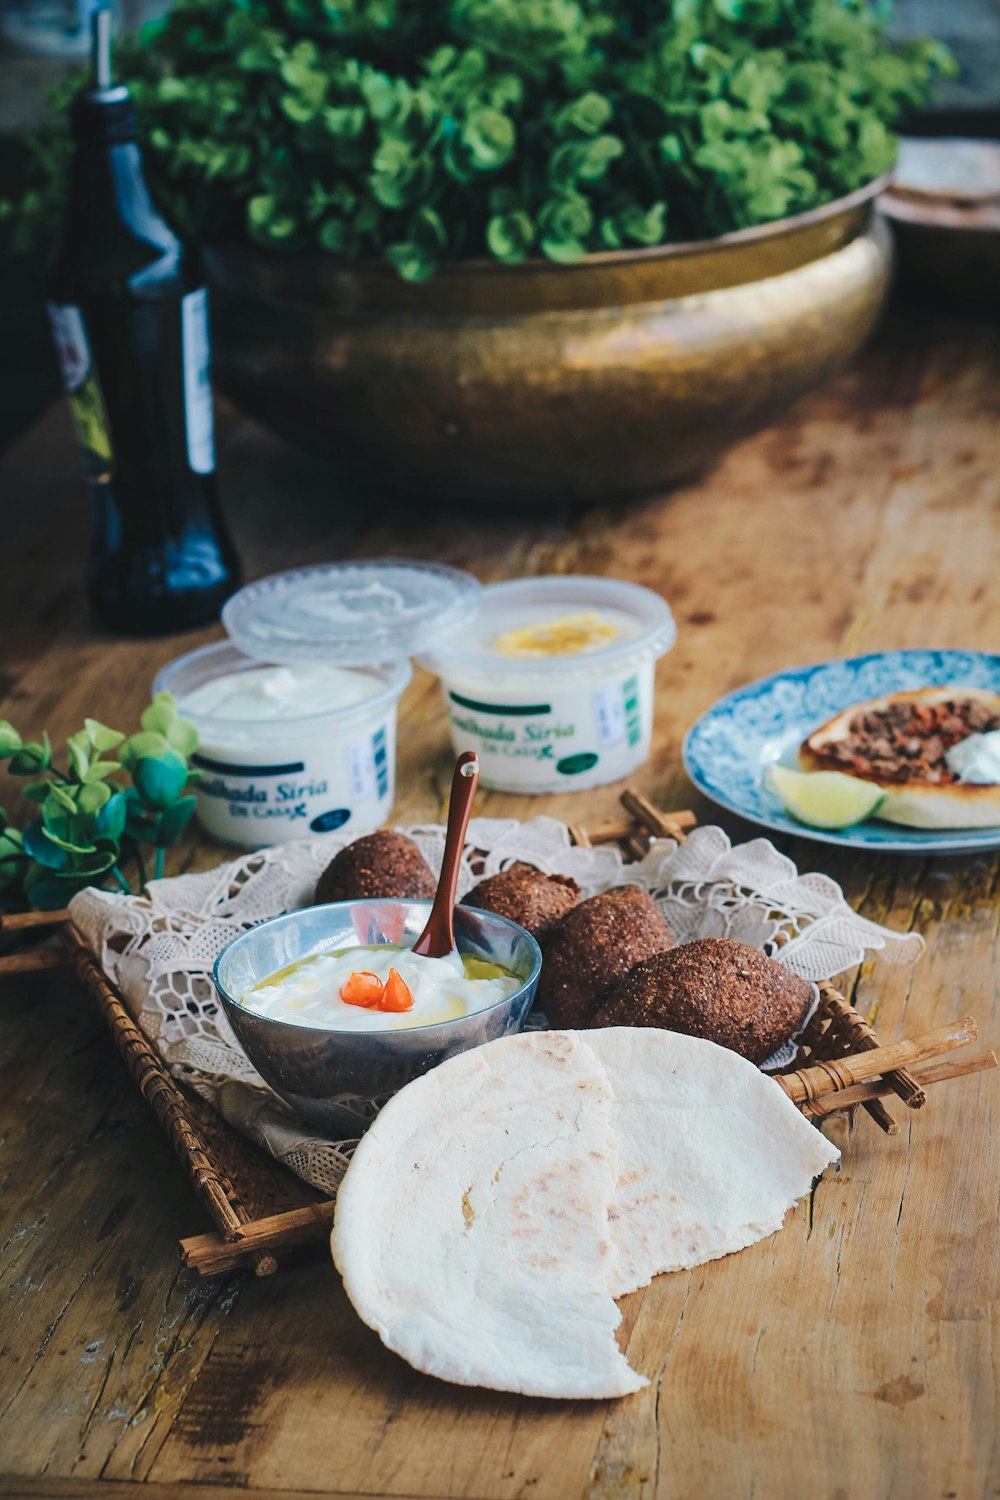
[
  {"x": 324, "y": 1072},
  {"x": 540, "y": 382}
]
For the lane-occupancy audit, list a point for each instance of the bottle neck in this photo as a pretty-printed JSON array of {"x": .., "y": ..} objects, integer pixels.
[
  {"x": 114, "y": 230},
  {"x": 108, "y": 179}
]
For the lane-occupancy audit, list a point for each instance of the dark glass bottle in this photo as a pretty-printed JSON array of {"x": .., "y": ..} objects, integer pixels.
[{"x": 129, "y": 314}]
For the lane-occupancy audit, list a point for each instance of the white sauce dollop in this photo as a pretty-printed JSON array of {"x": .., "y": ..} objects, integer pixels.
[
  {"x": 976, "y": 759},
  {"x": 308, "y": 993},
  {"x": 267, "y": 693}
]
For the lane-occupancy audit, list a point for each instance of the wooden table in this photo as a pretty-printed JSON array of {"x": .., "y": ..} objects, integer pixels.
[{"x": 852, "y": 1355}]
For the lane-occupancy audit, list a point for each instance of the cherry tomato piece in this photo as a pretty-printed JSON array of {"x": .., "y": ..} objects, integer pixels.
[
  {"x": 396, "y": 995},
  {"x": 363, "y": 989}
]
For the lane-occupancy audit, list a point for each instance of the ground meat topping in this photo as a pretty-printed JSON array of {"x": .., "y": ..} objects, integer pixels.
[{"x": 909, "y": 741}]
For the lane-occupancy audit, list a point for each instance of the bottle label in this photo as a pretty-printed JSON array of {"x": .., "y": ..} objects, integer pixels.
[
  {"x": 86, "y": 401},
  {"x": 198, "y": 382}
]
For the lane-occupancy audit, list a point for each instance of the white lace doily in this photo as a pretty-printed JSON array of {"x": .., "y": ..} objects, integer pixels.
[{"x": 159, "y": 949}]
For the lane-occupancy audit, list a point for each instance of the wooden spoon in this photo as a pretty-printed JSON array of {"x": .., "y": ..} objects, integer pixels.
[{"x": 438, "y": 938}]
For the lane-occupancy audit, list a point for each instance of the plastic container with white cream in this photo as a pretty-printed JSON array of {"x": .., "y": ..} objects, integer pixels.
[
  {"x": 296, "y": 712},
  {"x": 286, "y": 751}
]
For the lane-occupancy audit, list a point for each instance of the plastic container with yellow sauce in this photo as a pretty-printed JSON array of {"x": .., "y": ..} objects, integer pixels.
[{"x": 551, "y": 680}]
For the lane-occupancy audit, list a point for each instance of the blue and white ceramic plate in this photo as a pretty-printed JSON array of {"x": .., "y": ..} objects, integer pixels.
[{"x": 727, "y": 752}]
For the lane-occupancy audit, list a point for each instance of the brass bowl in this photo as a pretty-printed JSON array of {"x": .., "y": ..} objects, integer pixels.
[{"x": 590, "y": 382}]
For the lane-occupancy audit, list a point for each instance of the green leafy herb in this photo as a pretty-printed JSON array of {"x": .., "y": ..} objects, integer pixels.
[
  {"x": 425, "y": 132},
  {"x": 90, "y": 827}
]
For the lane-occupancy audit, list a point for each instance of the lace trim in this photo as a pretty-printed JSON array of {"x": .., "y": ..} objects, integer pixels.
[{"x": 159, "y": 949}]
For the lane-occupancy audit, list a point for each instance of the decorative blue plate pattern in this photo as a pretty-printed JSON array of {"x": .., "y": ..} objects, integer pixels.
[{"x": 728, "y": 750}]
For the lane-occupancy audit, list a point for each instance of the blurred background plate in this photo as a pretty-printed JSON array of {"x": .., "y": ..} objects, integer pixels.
[
  {"x": 944, "y": 208},
  {"x": 728, "y": 750}
]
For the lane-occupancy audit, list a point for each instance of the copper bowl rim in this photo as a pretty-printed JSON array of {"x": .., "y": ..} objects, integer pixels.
[
  {"x": 483, "y": 287},
  {"x": 773, "y": 229},
  {"x": 670, "y": 249}
]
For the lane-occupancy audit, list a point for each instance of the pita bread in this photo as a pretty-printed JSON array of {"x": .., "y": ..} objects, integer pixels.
[
  {"x": 712, "y": 1154},
  {"x": 498, "y": 1204},
  {"x": 471, "y": 1229}
]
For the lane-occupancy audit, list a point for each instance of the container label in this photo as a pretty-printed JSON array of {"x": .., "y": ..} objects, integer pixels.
[
  {"x": 334, "y": 782},
  {"x": 609, "y": 711},
  {"x": 86, "y": 401},
  {"x": 197, "y": 347},
  {"x": 575, "y": 765},
  {"x": 519, "y": 732},
  {"x": 586, "y": 735},
  {"x": 633, "y": 710},
  {"x": 359, "y": 757},
  {"x": 380, "y": 759}
]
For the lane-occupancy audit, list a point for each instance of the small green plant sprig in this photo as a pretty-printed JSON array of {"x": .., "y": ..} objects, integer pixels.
[
  {"x": 425, "y": 131},
  {"x": 90, "y": 827}
]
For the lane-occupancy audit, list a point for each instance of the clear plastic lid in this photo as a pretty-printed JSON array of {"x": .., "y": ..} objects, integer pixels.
[{"x": 357, "y": 614}]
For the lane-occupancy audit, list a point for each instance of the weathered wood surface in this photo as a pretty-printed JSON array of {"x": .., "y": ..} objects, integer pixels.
[{"x": 853, "y": 1354}]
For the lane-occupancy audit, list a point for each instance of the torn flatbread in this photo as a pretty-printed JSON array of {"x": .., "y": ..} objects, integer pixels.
[
  {"x": 712, "y": 1152},
  {"x": 471, "y": 1229},
  {"x": 498, "y": 1204}
]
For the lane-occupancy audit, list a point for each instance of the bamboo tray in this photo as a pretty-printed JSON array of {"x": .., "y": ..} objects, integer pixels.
[{"x": 260, "y": 1210}]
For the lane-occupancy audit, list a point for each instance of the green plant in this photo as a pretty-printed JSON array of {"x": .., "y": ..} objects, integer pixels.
[
  {"x": 89, "y": 824},
  {"x": 422, "y": 131}
]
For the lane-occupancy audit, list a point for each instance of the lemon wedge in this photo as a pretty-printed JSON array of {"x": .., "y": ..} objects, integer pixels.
[
  {"x": 824, "y": 799},
  {"x": 570, "y": 634}
]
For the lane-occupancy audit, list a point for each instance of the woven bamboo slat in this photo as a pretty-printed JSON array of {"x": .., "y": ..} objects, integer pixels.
[
  {"x": 844, "y": 1031},
  {"x": 208, "y": 1152},
  {"x": 209, "y": 1253},
  {"x": 20, "y": 921},
  {"x": 831, "y": 1076},
  {"x": 260, "y": 1210},
  {"x": 836, "y": 1029},
  {"x": 32, "y": 960},
  {"x": 876, "y": 1088}
]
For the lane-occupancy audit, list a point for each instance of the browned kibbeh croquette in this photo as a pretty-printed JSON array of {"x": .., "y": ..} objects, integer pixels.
[
  {"x": 715, "y": 988},
  {"x": 527, "y": 896},
  {"x": 380, "y": 864},
  {"x": 594, "y": 945}
]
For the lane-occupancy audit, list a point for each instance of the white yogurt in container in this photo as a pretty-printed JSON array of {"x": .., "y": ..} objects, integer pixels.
[
  {"x": 551, "y": 680},
  {"x": 286, "y": 751},
  {"x": 296, "y": 713}
]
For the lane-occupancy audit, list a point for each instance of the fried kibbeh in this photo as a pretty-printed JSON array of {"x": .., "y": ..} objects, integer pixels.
[
  {"x": 593, "y": 946},
  {"x": 378, "y": 865},
  {"x": 531, "y": 898},
  {"x": 723, "y": 991}
]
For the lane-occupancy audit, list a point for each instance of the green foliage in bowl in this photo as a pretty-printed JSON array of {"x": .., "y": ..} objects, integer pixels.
[{"x": 423, "y": 131}]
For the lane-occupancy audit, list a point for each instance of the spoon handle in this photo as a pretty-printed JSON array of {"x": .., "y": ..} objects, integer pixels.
[{"x": 438, "y": 937}]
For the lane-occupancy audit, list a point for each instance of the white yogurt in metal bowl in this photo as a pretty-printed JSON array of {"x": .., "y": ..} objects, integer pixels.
[
  {"x": 330, "y": 1071},
  {"x": 310, "y": 992},
  {"x": 551, "y": 681}
]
